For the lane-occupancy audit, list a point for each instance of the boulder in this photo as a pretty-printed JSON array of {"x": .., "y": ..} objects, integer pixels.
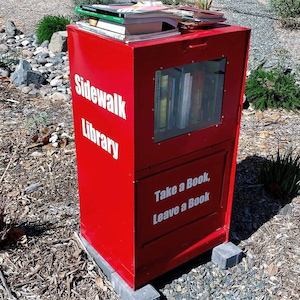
[
  {"x": 59, "y": 42},
  {"x": 24, "y": 75},
  {"x": 11, "y": 28}
]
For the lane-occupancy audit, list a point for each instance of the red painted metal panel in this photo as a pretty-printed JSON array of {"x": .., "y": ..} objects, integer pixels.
[
  {"x": 180, "y": 208},
  {"x": 102, "y": 90},
  {"x": 219, "y": 43},
  {"x": 122, "y": 171}
]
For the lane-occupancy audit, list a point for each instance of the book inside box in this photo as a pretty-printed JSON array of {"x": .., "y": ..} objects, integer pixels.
[{"x": 188, "y": 98}]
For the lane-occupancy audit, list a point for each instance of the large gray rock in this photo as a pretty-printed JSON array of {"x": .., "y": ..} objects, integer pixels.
[
  {"x": 11, "y": 28},
  {"x": 59, "y": 42},
  {"x": 23, "y": 75}
]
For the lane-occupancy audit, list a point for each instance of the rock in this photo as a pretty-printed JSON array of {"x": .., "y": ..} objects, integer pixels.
[
  {"x": 286, "y": 210},
  {"x": 56, "y": 81},
  {"x": 58, "y": 42},
  {"x": 26, "y": 89},
  {"x": 41, "y": 50},
  {"x": 24, "y": 75},
  {"x": 56, "y": 59},
  {"x": 45, "y": 90},
  {"x": 27, "y": 53},
  {"x": 49, "y": 64},
  {"x": 57, "y": 96},
  {"x": 25, "y": 43},
  {"x": 33, "y": 187},
  {"x": 11, "y": 28},
  {"x": 24, "y": 65},
  {"x": 45, "y": 44},
  {"x": 39, "y": 66},
  {"x": 4, "y": 72},
  {"x": 3, "y": 48}
]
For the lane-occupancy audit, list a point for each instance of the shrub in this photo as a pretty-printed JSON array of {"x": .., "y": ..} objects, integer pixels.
[
  {"x": 275, "y": 88},
  {"x": 281, "y": 176},
  {"x": 288, "y": 12},
  {"x": 37, "y": 121},
  {"x": 203, "y": 4},
  {"x": 48, "y": 25},
  {"x": 171, "y": 2}
]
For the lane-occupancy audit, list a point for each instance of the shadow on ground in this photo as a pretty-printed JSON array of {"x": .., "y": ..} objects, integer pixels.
[{"x": 252, "y": 204}]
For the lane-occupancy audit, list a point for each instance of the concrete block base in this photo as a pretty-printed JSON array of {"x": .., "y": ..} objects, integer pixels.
[
  {"x": 147, "y": 292},
  {"x": 226, "y": 255}
]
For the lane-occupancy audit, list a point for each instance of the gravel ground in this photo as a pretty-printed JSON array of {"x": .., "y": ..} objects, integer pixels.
[
  {"x": 253, "y": 278},
  {"x": 27, "y": 13},
  {"x": 269, "y": 44}
]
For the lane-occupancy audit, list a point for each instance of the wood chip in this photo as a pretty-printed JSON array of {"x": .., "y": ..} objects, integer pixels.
[
  {"x": 272, "y": 269},
  {"x": 100, "y": 284},
  {"x": 34, "y": 145}
]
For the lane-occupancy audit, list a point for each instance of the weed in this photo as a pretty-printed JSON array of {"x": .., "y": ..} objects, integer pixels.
[
  {"x": 288, "y": 12},
  {"x": 203, "y": 4},
  {"x": 38, "y": 121},
  {"x": 49, "y": 25},
  {"x": 281, "y": 176},
  {"x": 273, "y": 89}
]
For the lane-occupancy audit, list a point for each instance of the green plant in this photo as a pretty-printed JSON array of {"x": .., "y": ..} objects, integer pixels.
[
  {"x": 288, "y": 12},
  {"x": 171, "y": 2},
  {"x": 48, "y": 25},
  {"x": 275, "y": 88},
  {"x": 203, "y": 4},
  {"x": 38, "y": 121},
  {"x": 281, "y": 175}
]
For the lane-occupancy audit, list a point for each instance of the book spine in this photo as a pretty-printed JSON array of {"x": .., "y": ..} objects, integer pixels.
[
  {"x": 219, "y": 88},
  {"x": 156, "y": 100},
  {"x": 213, "y": 77},
  {"x": 171, "y": 101},
  {"x": 197, "y": 93},
  {"x": 185, "y": 100},
  {"x": 101, "y": 31},
  {"x": 189, "y": 101},
  {"x": 112, "y": 27},
  {"x": 163, "y": 103},
  {"x": 110, "y": 18}
]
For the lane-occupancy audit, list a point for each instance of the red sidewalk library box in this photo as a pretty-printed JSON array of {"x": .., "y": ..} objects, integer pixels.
[{"x": 156, "y": 130}]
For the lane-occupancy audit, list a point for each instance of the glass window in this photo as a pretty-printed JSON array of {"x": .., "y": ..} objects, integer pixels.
[{"x": 188, "y": 98}]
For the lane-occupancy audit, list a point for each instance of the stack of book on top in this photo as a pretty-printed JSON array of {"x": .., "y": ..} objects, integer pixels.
[
  {"x": 194, "y": 18},
  {"x": 129, "y": 22}
]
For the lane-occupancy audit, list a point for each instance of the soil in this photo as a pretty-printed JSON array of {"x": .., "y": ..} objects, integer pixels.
[{"x": 38, "y": 193}]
